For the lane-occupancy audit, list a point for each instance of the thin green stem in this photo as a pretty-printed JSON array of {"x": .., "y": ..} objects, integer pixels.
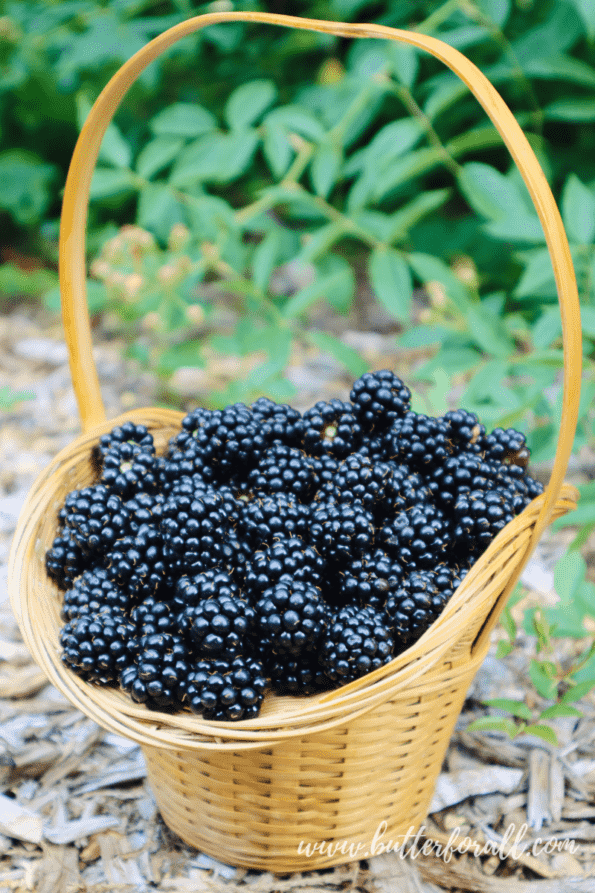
[
  {"x": 408, "y": 100},
  {"x": 438, "y": 17}
]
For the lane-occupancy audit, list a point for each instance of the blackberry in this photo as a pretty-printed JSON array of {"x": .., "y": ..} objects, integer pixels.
[
  {"x": 137, "y": 561},
  {"x": 226, "y": 441},
  {"x": 478, "y": 517},
  {"x": 97, "y": 647},
  {"x": 506, "y": 446},
  {"x": 420, "y": 599},
  {"x": 158, "y": 675},
  {"x": 190, "y": 591},
  {"x": 126, "y": 433},
  {"x": 419, "y": 441},
  {"x": 278, "y": 422},
  {"x": 378, "y": 399},
  {"x": 417, "y": 537},
  {"x": 296, "y": 677},
  {"x": 226, "y": 691},
  {"x": 370, "y": 579},
  {"x": 290, "y": 618},
  {"x": 284, "y": 469},
  {"x": 358, "y": 479},
  {"x": 92, "y": 593},
  {"x": 128, "y": 469},
  {"x": 340, "y": 532},
  {"x": 285, "y": 560},
  {"x": 404, "y": 489},
  {"x": 465, "y": 431},
  {"x": 218, "y": 627},
  {"x": 460, "y": 474},
  {"x": 263, "y": 519},
  {"x": 357, "y": 641},
  {"x": 65, "y": 560},
  {"x": 331, "y": 428},
  {"x": 96, "y": 516},
  {"x": 194, "y": 531}
]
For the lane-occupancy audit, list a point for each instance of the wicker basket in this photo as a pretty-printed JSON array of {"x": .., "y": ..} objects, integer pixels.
[{"x": 330, "y": 770}]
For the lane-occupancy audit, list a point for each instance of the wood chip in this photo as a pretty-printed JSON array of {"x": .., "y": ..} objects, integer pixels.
[
  {"x": 453, "y": 787},
  {"x": 538, "y": 811},
  {"x": 20, "y": 822}
]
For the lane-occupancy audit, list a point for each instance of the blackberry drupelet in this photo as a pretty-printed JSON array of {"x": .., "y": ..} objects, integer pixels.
[
  {"x": 218, "y": 627},
  {"x": 65, "y": 560},
  {"x": 331, "y": 428},
  {"x": 378, "y": 399},
  {"x": 283, "y": 561},
  {"x": 263, "y": 519},
  {"x": 226, "y": 691},
  {"x": 97, "y": 647},
  {"x": 290, "y": 619},
  {"x": 417, "y": 537},
  {"x": 284, "y": 469},
  {"x": 419, "y": 601},
  {"x": 92, "y": 593},
  {"x": 357, "y": 641},
  {"x": 340, "y": 532},
  {"x": 126, "y": 433}
]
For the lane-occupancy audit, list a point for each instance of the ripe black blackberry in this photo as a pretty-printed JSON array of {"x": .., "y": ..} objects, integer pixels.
[
  {"x": 460, "y": 474},
  {"x": 126, "y": 433},
  {"x": 194, "y": 531},
  {"x": 278, "y": 422},
  {"x": 65, "y": 560},
  {"x": 285, "y": 560},
  {"x": 378, "y": 399},
  {"x": 263, "y": 519},
  {"x": 97, "y": 518},
  {"x": 218, "y": 627},
  {"x": 159, "y": 672},
  {"x": 92, "y": 593},
  {"x": 340, "y": 532},
  {"x": 128, "y": 469},
  {"x": 191, "y": 590},
  {"x": 227, "y": 441},
  {"x": 419, "y": 601},
  {"x": 97, "y": 647},
  {"x": 290, "y": 619},
  {"x": 296, "y": 677},
  {"x": 153, "y": 615},
  {"x": 478, "y": 517},
  {"x": 417, "y": 537},
  {"x": 137, "y": 562},
  {"x": 357, "y": 479},
  {"x": 226, "y": 691},
  {"x": 284, "y": 469},
  {"x": 506, "y": 446},
  {"x": 357, "y": 641},
  {"x": 404, "y": 489},
  {"x": 465, "y": 431},
  {"x": 370, "y": 580},
  {"x": 331, "y": 428},
  {"x": 419, "y": 441}
]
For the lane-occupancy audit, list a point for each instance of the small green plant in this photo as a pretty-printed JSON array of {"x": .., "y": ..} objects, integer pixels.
[{"x": 9, "y": 398}]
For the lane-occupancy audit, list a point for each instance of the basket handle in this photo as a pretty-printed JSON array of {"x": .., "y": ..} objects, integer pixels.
[{"x": 76, "y": 199}]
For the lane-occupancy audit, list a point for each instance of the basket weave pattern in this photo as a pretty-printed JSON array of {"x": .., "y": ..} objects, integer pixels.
[{"x": 330, "y": 767}]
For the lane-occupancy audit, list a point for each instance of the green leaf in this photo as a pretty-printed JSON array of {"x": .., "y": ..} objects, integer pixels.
[
  {"x": 588, "y": 321},
  {"x": 10, "y": 398},
  {"x": 264, "y": 259},
  {"x": 508, "y": 624},
  {"x": 487, "y": 331},
  {"x": 114, "y": 148},
  {"x": 158, "y": 210},
  {"x": 538, "y": 276},
  {"x": 248, "y": 102},
  {"x": 325, "y": 168},
  {"x": 516, "y": 708},
  {"x": 215, "y": 158},
  {"x": 431, "y": 269},
  {"x": 26, "y": 181},
  {"x": 544, "y": 732},
  {"x": 542, "y": 677},
  {"x": 402, "y": 221},
  {"x": 319, "y": 243},
  {"x": 350, "y": 358},
  {"x": 490, "y": 193},
  {"x": 157, "y": 154},
  {"x": 574, "y": 111},
  {"x": 404, "y": 60},
  {"x": 494, "y": 724},
  {"x": 109, "y": 182},
  {"x": 295, "y": 119},
  {"x": 578, "y": 211},
  {"x": 277, "y": 149},
  {"x": 503, "y": 649},
  {"x": 586, "y": 10},
  {"x": 563, "y": 68},
  {"x": 391, "y": 280},
  {"x": 338, "y": 281},
  {"x": 578, "y": 691},
  {"x": 183, "y": 119},
  {"x": 181, "y": 355},
  {"x": 569, "y": 574},
  {"x": 341, "y": 295},
  {"x": 559, "y": 710}
]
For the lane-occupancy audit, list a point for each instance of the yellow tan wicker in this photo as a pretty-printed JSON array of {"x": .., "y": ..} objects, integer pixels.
[{"x": 309, "y": 782}]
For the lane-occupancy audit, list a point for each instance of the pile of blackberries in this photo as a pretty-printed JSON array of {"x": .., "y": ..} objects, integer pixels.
[{"x": 269, "y": 549}]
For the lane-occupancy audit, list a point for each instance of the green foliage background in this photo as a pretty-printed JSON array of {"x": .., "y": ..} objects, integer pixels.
[{"x": 247, "y": 150}]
